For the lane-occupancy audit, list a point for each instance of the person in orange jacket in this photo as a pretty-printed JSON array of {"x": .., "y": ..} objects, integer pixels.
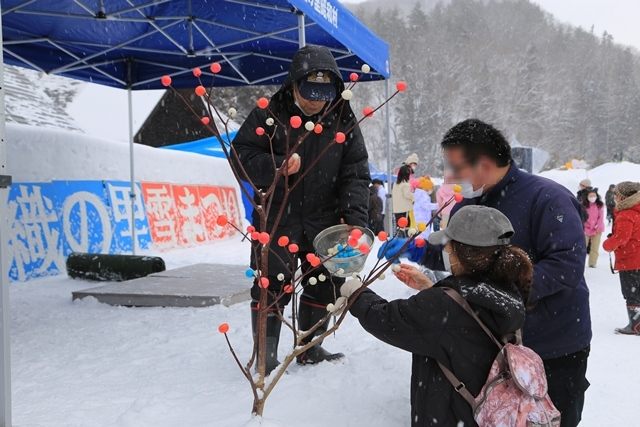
[{"x": 625, "y": 243}]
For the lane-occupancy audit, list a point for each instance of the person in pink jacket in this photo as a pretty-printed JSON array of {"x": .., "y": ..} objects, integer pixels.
[
  {"x": 443, "y": 195},
  {"x": 594, "y": 224}
]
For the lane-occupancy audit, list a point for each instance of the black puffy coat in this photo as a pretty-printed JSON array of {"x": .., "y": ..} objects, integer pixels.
[
  {"x": 337, "y": 186},
  {"x": 435, "y": 328}
]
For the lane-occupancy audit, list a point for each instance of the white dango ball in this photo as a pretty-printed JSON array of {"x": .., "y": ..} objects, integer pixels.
[{"x": 347, "y": 94}]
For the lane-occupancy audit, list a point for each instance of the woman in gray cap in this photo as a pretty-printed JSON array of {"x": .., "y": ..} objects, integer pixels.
[{"x": 491, "y": 275}]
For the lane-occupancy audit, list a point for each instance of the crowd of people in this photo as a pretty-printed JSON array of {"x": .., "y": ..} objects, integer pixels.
[
  {"x": 622, "y": 204},
  {"x": 514, "y": 249},
  {"x": 415, "y": 197}
]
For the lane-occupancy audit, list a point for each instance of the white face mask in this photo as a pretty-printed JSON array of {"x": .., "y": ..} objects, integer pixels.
[
  {"x": 446, "y": 260},
  {"x": 468, "y": 192},
  {"x": 593, "y": 199}
]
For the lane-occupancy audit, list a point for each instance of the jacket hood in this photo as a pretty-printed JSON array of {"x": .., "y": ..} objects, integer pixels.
[
  {"x": 629, "y": 203},
  {"x": 312, "y": 58},
  {"x": 502, "y": 311}
]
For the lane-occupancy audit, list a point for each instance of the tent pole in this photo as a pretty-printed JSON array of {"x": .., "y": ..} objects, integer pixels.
[
  {"x": 5, "y": 182},
  {"x": 389, "y": 202},
  {"x": 132, "y": 192},
  {"x": 302, "y": 31}
]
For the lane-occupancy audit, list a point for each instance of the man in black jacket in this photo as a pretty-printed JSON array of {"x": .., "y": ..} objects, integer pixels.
[{"x": 333, "y": 191}]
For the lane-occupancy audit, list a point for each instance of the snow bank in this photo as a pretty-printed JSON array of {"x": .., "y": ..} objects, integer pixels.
[
  {"x": 41, "y": 155},
  {"x": 88, "y": 364},
  {"x": 601, "y": 176}
]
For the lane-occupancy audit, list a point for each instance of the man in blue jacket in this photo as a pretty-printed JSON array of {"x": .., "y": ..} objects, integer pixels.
[{"x": 547, "y": 224}]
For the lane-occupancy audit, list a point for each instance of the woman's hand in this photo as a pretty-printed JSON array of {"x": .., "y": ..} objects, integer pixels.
[{"x": 412, "y": 277}]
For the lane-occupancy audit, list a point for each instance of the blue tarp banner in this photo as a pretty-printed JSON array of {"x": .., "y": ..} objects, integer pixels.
[{"x": 50, "y": 220}]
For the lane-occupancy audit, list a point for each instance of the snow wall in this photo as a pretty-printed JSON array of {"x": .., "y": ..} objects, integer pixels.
[
  {"x": 601, "y": 176},
  {"x": 71, "y": 194}
]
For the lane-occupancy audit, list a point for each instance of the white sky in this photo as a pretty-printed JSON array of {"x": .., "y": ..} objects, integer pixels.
[{"x": 618, "y": 17}]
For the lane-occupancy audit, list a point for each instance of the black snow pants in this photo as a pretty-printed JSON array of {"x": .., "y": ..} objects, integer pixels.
[
  {"x": 630, "y": 283},
  {"x": 566, "y": 377}
]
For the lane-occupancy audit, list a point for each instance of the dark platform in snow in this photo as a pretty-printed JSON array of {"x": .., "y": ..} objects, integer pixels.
[{"x": 198, "y": 285}]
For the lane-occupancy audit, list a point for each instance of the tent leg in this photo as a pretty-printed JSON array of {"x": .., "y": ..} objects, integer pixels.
[
  {"x": 302, "y": 31},
  {"x": 132, "y": 193},
  {"x": 5, "y": 181},
  {"x": 389, "y": 202}
]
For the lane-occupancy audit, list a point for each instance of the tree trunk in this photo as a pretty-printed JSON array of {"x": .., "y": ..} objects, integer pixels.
[{"x": 258, "y": 407}]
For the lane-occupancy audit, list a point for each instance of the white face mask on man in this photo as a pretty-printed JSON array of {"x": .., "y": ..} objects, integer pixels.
[{"x": 468, "y": 192}]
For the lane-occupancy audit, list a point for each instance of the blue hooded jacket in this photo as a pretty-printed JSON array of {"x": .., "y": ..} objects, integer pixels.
[{"x": 547, "y": 224}]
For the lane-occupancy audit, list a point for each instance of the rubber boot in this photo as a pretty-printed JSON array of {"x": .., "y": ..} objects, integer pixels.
[
  {"x": 273, "y": 338},
  {"x": 633, "y": 328},
  {"x": 308, "y": 316}
]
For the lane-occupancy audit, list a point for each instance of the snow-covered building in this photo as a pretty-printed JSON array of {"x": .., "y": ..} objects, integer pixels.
[{"x": 38, "y": 99}]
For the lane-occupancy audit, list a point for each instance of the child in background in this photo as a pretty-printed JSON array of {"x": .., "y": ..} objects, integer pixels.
[
  {"x": 625, "y": 242},
  {"x": 594, "y": 224},
  {"x": 422, "y": 204}
]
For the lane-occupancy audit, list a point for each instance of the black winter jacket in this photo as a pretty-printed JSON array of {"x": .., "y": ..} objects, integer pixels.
[
  {"x": 435, "y": 328},
  {"x": 337, "y": 186}
]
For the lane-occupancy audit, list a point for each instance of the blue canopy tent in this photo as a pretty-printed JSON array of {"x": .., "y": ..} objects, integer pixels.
[
  {"x": 206, "y": 146},
  {"x": 377, "y": 173},
  {"x": 130, "y": 44}
]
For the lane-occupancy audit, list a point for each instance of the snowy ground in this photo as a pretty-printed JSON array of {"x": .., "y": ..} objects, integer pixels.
[{"x": 88, "y": 364}]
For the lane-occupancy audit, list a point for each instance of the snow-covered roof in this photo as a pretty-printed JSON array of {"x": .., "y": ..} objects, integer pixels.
[{"x": 37, "y": 99}]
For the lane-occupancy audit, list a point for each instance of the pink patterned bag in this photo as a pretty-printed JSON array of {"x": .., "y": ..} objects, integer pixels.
[{"x": 515, "y": 393}]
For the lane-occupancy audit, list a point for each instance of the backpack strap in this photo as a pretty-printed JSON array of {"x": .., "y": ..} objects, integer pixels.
[
  {"x": 455, "y": 295},
  {"x": 458, "y": 385}
]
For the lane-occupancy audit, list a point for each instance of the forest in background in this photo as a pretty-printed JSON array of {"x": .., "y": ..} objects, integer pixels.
[{"x": 549, "y": 85}]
